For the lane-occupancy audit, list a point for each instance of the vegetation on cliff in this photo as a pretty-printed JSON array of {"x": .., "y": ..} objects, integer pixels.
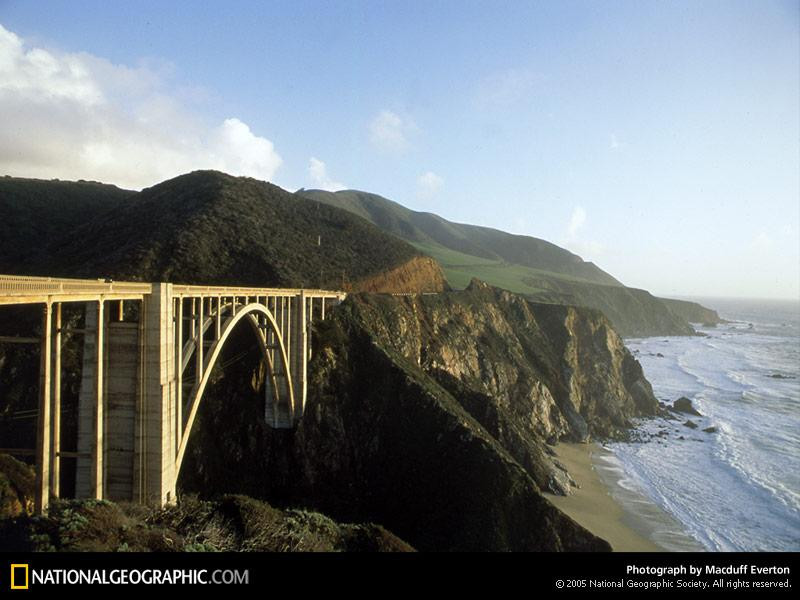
[{"x": 17, "y": 482}]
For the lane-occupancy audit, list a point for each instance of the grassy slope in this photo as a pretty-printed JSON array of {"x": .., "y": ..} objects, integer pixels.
[
  {"x": 519, "y": 264},
  {"x": 460, "y": 268},
  {"x": 440, "y": 235}
]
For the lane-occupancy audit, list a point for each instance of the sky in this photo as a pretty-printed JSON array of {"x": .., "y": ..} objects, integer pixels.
[{"x": 660, "y": 140}]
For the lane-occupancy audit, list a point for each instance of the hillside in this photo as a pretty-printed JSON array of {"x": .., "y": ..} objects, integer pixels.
[
  {"x": 522, "y": 264},
  {"x": 34, "y": 212},
  {"x": 693, "y": 312},
  {"x": 427, "y": 229},
  {"x": 208, "y": 227}
]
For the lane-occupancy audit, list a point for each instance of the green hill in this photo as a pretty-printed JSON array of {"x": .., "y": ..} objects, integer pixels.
[
  {"x": 205, "y": 227},
  {"x": 539, "y": 269},
  {"x": 437, "y": 235}
]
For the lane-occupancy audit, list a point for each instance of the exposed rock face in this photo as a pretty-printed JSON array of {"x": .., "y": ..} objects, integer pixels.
[
  {"x": 418, "y": 275},
  {"x": 560, "y": 372},
  {"x": 382, "y": 439}
]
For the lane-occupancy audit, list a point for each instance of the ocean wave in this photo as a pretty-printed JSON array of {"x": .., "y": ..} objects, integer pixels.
[{"x": 739, "y": 488}]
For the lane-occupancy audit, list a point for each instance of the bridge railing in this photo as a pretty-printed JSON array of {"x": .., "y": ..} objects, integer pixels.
[
  {"x": 20, "y": 284},
  {"x": 205, "y": 290},
  {"x": 16, "y": 287}
]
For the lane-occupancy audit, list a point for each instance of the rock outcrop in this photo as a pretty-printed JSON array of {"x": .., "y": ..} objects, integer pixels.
[
  {"x": 684, "y": 405},
  {"x": 421, "y": 274}
]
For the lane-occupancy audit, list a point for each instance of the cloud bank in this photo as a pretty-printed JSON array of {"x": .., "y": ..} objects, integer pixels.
[{"x": 78, "y": 116}]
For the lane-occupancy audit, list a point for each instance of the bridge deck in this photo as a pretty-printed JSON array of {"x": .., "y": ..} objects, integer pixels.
[{"x": 22, "y": 289}]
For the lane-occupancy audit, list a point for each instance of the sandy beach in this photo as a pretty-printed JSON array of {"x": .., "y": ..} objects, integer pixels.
[{"x": 594, "y": 506}]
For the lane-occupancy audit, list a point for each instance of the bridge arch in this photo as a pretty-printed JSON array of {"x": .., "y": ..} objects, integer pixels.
[{"x": 250, "y": 312}]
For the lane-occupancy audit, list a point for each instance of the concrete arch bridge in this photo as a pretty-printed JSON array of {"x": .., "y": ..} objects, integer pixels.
[{"x": 142, "y": 382}]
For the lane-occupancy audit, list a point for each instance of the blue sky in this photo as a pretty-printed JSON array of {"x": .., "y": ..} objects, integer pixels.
[{"x": 659, "y": 139}]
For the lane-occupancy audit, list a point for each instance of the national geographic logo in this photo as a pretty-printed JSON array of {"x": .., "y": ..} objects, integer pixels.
[
  {"x": 22, "y": 576},
  {"x": 19, "y": 576}
]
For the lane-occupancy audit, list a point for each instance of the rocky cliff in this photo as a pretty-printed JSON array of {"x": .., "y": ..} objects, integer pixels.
[
  {"x": 633, "y": 312},
  {"x": 432, "y": 415}
]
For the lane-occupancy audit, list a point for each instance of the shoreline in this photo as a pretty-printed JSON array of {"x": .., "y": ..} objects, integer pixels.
[{"x": 622, "y": 517}]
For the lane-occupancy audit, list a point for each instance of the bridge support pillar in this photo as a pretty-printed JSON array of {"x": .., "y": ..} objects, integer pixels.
[
  {"x": 43, "y": 445},
  {"x": 155, "y": 443},
  {"x": 298, "y": 348},
  {"x": 90, "y": 472}
]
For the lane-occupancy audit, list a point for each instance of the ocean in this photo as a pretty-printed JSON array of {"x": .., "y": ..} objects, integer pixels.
[{"x": 737, "y": 488}]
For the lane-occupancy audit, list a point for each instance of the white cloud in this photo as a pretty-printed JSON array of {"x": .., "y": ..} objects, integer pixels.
[
  {"x": 614, "y": 143},
  {"x": 429, "y": 184},
  {"x": 318, "y": 171},
  {"x": 78, "y": 116},
  {"x": 576, "y": 221},
  {"x": 390, "y": 132}
]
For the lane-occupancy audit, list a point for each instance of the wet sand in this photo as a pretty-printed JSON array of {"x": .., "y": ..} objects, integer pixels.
[{"x": 646, "y": 529}]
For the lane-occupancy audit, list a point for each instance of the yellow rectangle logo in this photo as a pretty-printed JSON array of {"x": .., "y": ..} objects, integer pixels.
[{"x": 17, "y": 575}]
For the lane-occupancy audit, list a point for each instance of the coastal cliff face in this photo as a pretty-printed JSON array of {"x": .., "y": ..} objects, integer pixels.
[
  {"x": 563, "y": 371},
  {"x": 529, "y": 375},
  {"x": 431, "y": 415},
  {"x": 421, "y": 274}
]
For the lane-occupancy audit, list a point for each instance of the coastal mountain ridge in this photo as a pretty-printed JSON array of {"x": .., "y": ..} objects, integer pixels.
[{"x": 527, "y": 265}]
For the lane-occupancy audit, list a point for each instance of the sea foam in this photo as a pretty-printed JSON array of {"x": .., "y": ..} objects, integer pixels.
[{"x": 737, "y": 488}]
